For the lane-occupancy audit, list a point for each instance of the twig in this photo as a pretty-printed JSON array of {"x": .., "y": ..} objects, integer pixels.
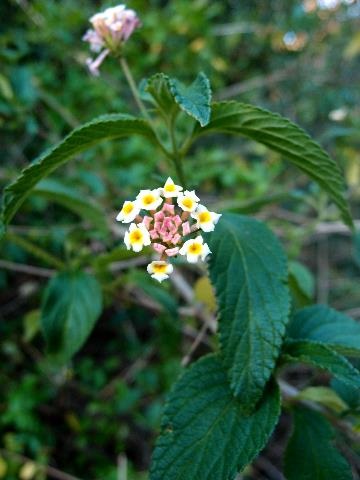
[
  {"x": 269, "y": 468},
  {"x": 51, "y": 471},
  {"x": 323, "y": 270},
  {"x": 122, "y": 467},
  {"x": 198, "y": 339},
  {"x": 30, "y": 269},
  {"x": 131, "y": 262}
]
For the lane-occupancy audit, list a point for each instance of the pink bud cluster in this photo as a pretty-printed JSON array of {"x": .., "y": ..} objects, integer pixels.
[{"x": 111, "y": 29}]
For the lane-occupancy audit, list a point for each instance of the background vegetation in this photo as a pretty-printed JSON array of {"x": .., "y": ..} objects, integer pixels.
[{"x": 98, "y": 417}]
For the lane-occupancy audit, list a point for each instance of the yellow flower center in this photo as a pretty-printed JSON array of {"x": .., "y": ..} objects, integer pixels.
[
  {"x": 187, "y": 202},
  {"x": 170, "y": 187},
  {"x": 128, "y": 208},
  {"x": 148, "y": 199},
  {"x": 159, "y": 267},
  {"x": 195, "y": 248},
  {"x": 204, "y": 217},
  {"x": 136, "y": 236}
]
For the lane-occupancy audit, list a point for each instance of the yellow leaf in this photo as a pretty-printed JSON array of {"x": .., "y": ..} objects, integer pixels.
[
  {"x": 28, "y": 471},
  {"x": 204, "y": 293},
  {"x": 3, "y": 467},
  {"x": 353, "y": 47},
  {"x": 324, "y": 395}
]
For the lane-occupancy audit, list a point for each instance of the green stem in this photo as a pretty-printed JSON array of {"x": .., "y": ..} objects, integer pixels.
[
  {"x": 35, "y": 250},
  {"x": 176, "y": 157},
  {"x": 139, "y": 103},
  {"x": 133, "y": 88}
]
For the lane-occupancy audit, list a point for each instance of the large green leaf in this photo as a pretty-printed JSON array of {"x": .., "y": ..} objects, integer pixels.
[
  {"x": 71, "y": 305},
  {"x": 323, "y": 324},
  {"x": 311, "y": 453},
  {"x": 248, "y": 270},
  {"x": 284, "y": 137},
  {"x": 70, "y": 198},
  {"x": 321, "y": 356},
  {"x": 170, "y": 94},
  {"x": 103, "y": 128},
  {"x": 205, "y": 434}
]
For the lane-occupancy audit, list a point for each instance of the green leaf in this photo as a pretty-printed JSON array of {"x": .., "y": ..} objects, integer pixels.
[
  {"x": 323, "y": 324},
  {"x": 284, "y": 137},
  {"x": 248, "y": 270},
  {"x": 71, "y": 199},
  {"x": 71, "y": 305},
  {"x": 170, "y": 94},
  {"x": 103, "y": 128},
  {"x": 205, "y": 434},
  {"x": 194, "y": 100},
  {"x": 301, "y": 283},
  {"x": 350, "y": 394},
  {"x": 310, "y": 453},
  {"x": 321, "y": 356},
  {"x": 159, "y": 87}
]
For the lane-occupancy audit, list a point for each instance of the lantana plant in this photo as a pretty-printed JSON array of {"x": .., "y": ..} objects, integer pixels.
[{"x": 224, "y": 408}]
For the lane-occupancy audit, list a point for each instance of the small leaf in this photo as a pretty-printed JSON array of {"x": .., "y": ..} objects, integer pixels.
[
  {"x": 71, "y": 306},
  {"x": 310, "y": 453},
  {"x": 301, "y": 283},
  {"x": 323, "y": 324},
  {"x": 158, "y": 86},
  {"x": 325, "y": 396},
  {"x": 194, "y": 100},
  {"x": 248, "y": 270},
  {"x": 321, "y": 356},
  {"x": 205, "y": 434},
  {"x": 170, "y": 95},
  {"x": 105, "y": 127},
  {"x": 284, "y": 137},
  {"x": 71, "y": 199}
]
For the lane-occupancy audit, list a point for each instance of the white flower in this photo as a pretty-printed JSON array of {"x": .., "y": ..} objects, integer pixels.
[
  {"x": 149, "y": 199},
  {"x": 205, "y": 219},
  {"x": 170, "y": 190},
  {"x": 129, "y": 212},
  {"x": 195, "y": 249},
  {"x": 137, "y": 237},
  {"x": 160, "y": 270},
  {"x": 188, "y": 201}
]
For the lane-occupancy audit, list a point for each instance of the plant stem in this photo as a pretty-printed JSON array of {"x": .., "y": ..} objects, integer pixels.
[
  {"x": 35, "y": 250},
  {"x": 133, "y": 88},
  {"x": 176, "y": 157}
]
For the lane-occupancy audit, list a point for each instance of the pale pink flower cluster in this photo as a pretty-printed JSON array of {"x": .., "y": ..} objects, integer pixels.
[
  {"x": 166, "y": 226},
  {"x": 111, "y": 29}
]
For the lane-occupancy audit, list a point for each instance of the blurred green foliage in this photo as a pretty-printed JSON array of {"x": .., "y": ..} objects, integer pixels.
[{"x": 288, "y": 56}]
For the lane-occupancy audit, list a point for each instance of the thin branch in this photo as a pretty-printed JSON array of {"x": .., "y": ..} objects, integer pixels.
[
  {"x": 29, "y": 269},
  {"x": 50, "y": 471}
]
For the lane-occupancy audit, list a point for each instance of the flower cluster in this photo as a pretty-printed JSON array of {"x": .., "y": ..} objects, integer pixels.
[
  {"x": 111, "y": 29},
  {"x": 171, "y": 215}
]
